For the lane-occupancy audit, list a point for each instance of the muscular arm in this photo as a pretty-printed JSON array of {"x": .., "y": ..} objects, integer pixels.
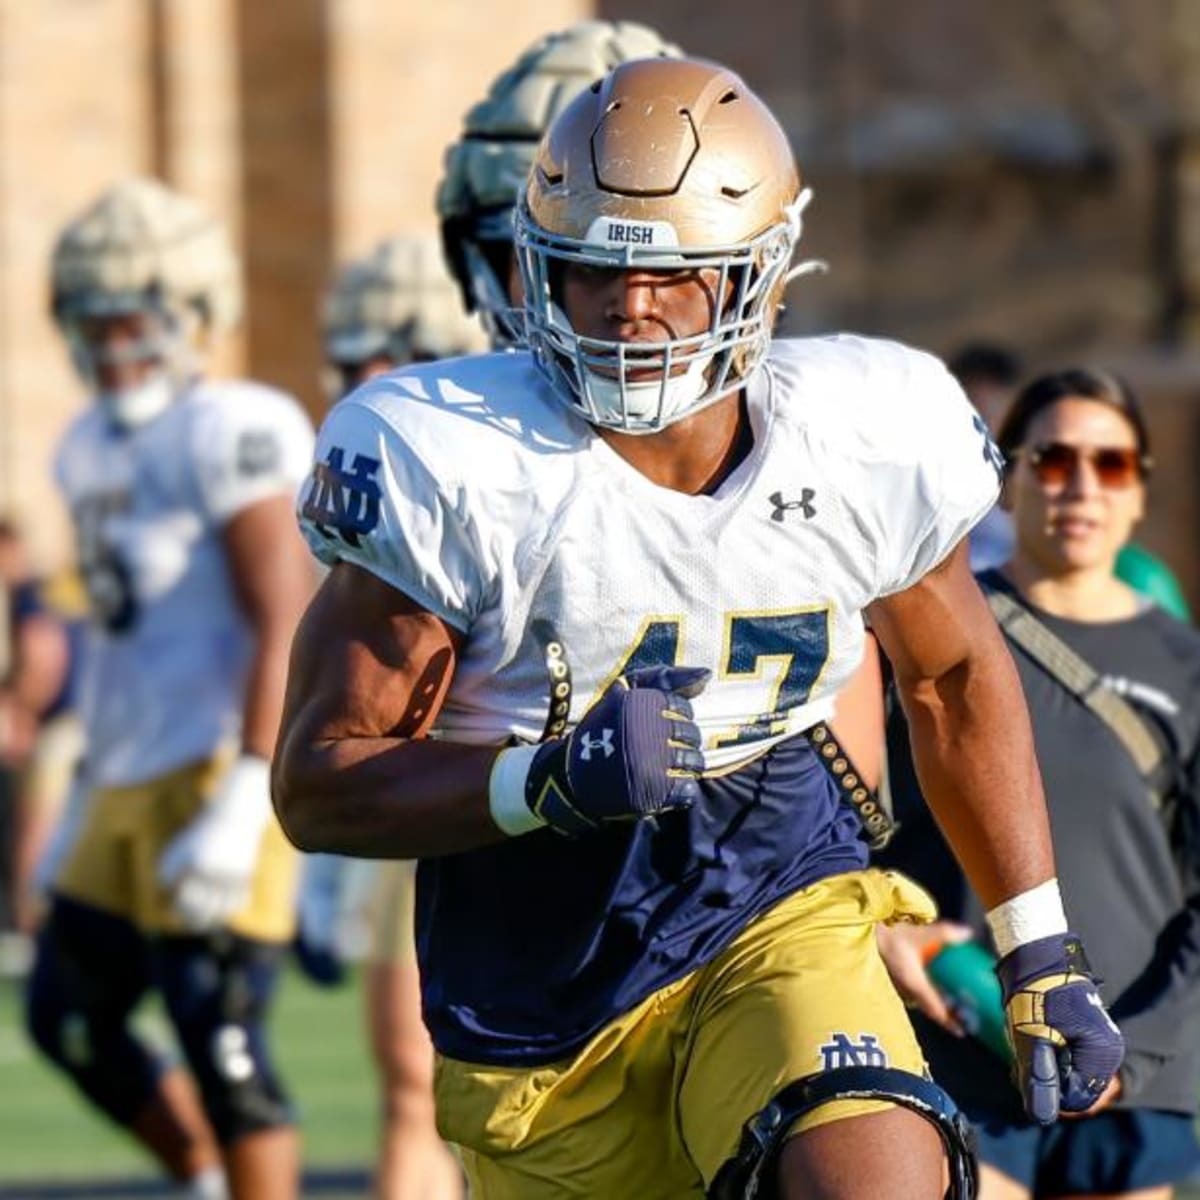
[
  {"x": 971, "y": 738},
  {"x": 353, "y": 773},
  {"x": 273, "y": 579}
]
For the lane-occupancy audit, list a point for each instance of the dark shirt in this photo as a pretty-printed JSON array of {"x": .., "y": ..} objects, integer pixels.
[
  {"x": 1139, "y": 918},
  {"x": 27, "y": 601}
]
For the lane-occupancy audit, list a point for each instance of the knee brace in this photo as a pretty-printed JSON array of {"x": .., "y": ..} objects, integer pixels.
[
  {"x": 750, "y": 1173},
  {"x": 217, "y": 991},
  {"x": 89, "y": 973}
]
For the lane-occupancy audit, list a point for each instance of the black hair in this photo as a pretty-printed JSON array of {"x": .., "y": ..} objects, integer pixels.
[
  {"x": 988, "y": 361},
  {"x": 1083, "y": 382}
]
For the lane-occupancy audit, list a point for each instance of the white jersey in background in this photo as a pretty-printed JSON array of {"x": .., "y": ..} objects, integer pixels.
[
  {"x": 168, "y": 648},
  {"x": 468, "y": 486}
]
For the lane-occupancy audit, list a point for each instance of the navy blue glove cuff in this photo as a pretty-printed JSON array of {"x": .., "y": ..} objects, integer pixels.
[{"x": 1059, "y": 952}]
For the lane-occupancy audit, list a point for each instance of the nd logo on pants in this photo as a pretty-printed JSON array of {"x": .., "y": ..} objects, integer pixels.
[{"x": 654, "y": 1104}]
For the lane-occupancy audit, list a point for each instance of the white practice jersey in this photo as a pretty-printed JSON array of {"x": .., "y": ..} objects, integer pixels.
[
  {"x": 165, "y": 665},
  {"x": 470, "y": 487}
]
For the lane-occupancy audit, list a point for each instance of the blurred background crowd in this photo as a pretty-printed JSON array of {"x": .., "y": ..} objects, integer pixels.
[{"x": 1014, "y": 187}]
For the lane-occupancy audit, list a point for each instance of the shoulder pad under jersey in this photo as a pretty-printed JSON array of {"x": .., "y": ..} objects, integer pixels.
[{"x": 916, "y": 457}]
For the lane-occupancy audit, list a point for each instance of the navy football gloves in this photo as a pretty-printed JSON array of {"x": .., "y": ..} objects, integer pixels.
[
  {"x": 635, "y": 753},
  {"x": 1066, "y": 1047}
]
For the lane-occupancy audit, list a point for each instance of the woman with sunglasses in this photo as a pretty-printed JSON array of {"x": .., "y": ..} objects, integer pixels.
[{"x": 1077, "y": 461}]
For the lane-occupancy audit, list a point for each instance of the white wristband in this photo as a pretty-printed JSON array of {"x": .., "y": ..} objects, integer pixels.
[
  {"x": 1034, "y": 914},
  {"x": 506, "y": 792},
  {"x": 244, "y": 793}
]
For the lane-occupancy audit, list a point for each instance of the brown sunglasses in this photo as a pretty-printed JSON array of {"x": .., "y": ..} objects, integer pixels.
[{"x": 1055, "y": 463}]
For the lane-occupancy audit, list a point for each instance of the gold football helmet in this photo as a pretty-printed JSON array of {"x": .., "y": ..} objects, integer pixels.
[
  {"x": 662, "y": 165},
  {"x": 398, "y": 304},
  {"x": 486, "y": 168},
  {"x": 143, "y": 250}
]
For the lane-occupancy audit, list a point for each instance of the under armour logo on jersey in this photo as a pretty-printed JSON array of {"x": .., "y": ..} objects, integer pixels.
[
  {"x": 603, "y": 742},
  {"x": 804, "y": 504},
  {"x": 346, "y": 500},
  {"x": 840, "y": 1051},
  {"x": 992, "y": 454}
]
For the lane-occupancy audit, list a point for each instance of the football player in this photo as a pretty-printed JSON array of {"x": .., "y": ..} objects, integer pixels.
[
  {"x": 476, "y": 199},
  {"x": 396, "y": 306},
  {"x": 178, "y": 877},
  {"x": 619, "y": 578}
]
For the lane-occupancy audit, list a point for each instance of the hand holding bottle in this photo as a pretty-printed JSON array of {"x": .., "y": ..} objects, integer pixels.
[{"x": 905, "y": 950}]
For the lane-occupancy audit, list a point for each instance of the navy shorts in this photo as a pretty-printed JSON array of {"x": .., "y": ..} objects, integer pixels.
[{"x": 1121, "y": 1150}]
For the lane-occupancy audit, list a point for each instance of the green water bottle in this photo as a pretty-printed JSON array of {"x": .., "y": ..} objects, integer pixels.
[{"x": 964, "y": 973}]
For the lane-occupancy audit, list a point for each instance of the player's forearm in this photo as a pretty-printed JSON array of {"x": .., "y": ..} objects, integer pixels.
[
  {"x": 974, "y": 754},
  {"x": 383, "y": 797},
  {"x": 273, "y": 579},
  {"x": 265, "y": 685}
]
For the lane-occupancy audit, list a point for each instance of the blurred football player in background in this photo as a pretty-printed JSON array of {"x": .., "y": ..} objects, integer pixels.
[
  {"x": 395, "y": 306},
  {"x": 176, "y": 875},
  {"x": 486, "y": 169},
  {"x": 643, "y": 919}
]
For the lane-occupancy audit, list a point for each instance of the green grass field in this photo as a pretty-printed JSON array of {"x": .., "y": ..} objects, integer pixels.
[{"x": 48, "y": 1134}]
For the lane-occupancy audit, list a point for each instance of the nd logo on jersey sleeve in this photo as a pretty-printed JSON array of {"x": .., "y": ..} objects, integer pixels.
[{"x": 341, "y": 498}]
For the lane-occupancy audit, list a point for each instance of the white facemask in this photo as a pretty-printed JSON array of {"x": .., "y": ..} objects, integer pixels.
[
  {"x": 645, "y": 402},
  {"x": 129, "y": 407},
  {"x": 636, "y": 406}
]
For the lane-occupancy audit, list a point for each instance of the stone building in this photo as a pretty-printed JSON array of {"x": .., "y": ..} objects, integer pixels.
[{"x": 1026, "y": 172}]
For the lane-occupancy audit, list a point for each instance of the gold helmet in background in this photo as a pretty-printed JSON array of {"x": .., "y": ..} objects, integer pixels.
[
  {"x": 397, "y": 305},
  {"x": 486, "y": 168},
  {"x": 662, "y": 165},
  {"x": 143, "y": 250}
]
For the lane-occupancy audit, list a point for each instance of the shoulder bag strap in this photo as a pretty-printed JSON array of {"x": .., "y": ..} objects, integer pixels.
[{"x": 1079, "y": 678}]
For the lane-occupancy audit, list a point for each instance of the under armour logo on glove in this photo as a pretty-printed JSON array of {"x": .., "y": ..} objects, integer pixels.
[
  {"x": 603, "y": 742},
  {"x": 651, "y": 761},
  {"x": 1066, "y": 1046}
]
